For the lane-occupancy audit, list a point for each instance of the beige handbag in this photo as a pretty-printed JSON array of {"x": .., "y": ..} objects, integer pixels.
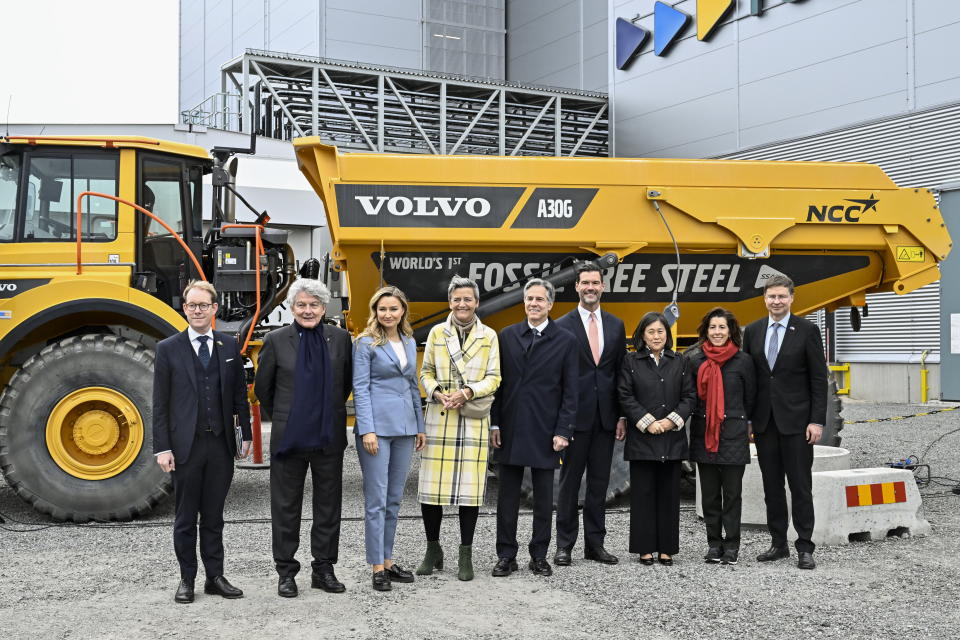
[
  {"x": 474, "y": 408},
  {"x": 477, "y": 407}
]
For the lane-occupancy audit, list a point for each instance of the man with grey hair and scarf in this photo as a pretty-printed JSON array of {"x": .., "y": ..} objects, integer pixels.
[{"x": 304, "y": 375}]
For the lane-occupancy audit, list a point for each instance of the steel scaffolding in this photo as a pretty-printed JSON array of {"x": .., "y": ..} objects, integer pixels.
[{"x": 384, "y": 109}]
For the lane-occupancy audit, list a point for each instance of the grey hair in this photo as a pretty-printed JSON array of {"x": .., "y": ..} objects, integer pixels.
[
  {"x": 540, "y": 282},
  {"x": 778, "y": 280},
  {"x": 459, "y": 282},
  {"x": 313, "y": 288}
]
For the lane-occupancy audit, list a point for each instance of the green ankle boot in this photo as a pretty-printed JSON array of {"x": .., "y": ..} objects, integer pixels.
[
  {"x": 465, "y": 568},
  {"x": 433, "y": 559}
]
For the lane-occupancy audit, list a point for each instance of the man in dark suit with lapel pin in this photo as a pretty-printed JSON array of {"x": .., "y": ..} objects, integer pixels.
[
  {"x": 532, "y": 422},
  {"x": 199, "y": 394},
  {"x": 788, "y": 415},
  {"x": 602, "y": 344},
  {"x": 304, "y": 375}
]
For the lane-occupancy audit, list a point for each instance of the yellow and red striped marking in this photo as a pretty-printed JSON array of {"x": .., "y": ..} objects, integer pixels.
[{"x": 867, "y": 495}]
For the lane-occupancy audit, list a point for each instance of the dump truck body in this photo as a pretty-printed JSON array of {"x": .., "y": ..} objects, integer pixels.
[{"x": 839, "y": 230}]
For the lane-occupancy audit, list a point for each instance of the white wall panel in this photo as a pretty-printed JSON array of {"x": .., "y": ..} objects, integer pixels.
[
  {"x": 653, "y": 133},
  {"x": 390, "y": 32},
  {"x": 551, "y": 26},
  {"x": 799, "y": 69},
  {"x": 551, "y": 41}
]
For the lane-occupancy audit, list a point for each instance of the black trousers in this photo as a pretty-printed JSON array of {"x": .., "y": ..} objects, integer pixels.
[
  {"x": 200, "y": 488},
  {"x": 287, "y": 477},
  {"x": 433, "y": 517},
  {"x": 508, "y": 510},
  {"x": 590, "y": 450},
  {"x": 787, "y": 456},
  {"x": 721, "y": 488},
  {"x": 654, "y": 507}
]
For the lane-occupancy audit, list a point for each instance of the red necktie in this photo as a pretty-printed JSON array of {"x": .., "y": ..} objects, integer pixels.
[{"x": 593, "y": 336}]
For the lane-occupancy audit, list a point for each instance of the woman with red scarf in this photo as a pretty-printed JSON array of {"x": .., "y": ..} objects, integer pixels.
[{"x": 719, "y": 434}]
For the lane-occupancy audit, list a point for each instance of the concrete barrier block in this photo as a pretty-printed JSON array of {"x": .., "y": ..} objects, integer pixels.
[
  {"x": 867, "y": 503},
  {"x": 754, "y": 509}
]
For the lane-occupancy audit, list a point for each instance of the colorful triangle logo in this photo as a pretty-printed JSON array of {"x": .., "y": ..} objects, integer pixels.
[
  {"x": 709, "y": 15},
  {"x": 668, "y": 24},
  {"x": 630, "y": 38}
]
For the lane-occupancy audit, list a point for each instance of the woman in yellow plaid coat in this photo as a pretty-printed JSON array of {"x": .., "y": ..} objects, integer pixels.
[{"x": 461, "y": 365}]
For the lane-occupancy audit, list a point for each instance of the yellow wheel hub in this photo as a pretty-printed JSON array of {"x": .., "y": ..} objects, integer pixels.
[{"x": 94, "y": 433}]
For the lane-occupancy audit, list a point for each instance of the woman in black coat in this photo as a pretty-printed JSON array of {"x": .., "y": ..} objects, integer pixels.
[
  {"x": 719, "y": 436},
  {"x": 656, "y": 394}
]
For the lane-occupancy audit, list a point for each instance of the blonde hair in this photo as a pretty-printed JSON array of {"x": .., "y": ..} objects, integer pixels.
[
  {"x": 203, "y": 285},
  {"x": 374, "y": 329}
]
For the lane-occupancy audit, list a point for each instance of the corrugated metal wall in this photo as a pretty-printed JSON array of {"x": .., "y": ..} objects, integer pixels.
[{"x": 920, "y": 149}]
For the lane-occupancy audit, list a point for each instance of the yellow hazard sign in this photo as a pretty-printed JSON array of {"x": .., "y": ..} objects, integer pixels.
[{"x": 910, "y": 254}]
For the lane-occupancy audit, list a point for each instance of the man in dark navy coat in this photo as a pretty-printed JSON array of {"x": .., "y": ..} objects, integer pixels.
[
  {"x": 601, "y": 345},
  {"x": 199, "y": 393},
  {"x": 788, "y": 415},
  {"x": 532, "y": 421}
]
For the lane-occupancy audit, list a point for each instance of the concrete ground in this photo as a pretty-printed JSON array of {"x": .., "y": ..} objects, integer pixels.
[{"x": 117, "y": 580}]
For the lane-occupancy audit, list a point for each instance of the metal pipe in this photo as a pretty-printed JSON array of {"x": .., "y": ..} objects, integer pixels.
[
  {"x": 507, "y": 299},
  {"x": 924, "y": 386}
]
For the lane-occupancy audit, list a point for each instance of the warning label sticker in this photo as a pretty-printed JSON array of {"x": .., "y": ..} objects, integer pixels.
[{"x": 910, "y": 254}]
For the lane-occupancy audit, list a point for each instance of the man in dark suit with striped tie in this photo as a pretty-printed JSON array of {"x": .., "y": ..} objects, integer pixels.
[
  {"x": 788, "y": 415},
  {"x": 199, "y": 393}
]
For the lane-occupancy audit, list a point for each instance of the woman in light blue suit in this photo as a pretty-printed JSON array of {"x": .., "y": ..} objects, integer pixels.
[{"x": 389, "y": 425}]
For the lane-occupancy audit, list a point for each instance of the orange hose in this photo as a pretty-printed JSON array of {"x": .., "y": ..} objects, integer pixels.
[
  {"x": 137, "y": 207},
  {"x": 141, "y": 210}
]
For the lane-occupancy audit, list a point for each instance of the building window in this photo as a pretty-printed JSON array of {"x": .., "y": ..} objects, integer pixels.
[{"x": 465, "y": 38}]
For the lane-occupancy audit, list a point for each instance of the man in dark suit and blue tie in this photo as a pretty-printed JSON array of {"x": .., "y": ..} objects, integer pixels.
[
  {"x": 199, "y": 394},
  {"x": 788, "y": 415},
  {"x": 602, "y": 344},
  {"x": 531, "y": 422}
]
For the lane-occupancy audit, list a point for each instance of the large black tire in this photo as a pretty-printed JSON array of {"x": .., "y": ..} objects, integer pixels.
[
  {"x": 72, "y": 368},
  {"x": 619, "y": 479}
]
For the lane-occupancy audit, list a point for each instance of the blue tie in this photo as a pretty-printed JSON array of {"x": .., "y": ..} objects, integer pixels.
[
  {"x": 203, "y": 352},
  {"x": 774, "y": 347}
]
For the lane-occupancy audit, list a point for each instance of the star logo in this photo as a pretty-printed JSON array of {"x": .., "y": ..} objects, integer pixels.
[{"x": 866, "y": 203}]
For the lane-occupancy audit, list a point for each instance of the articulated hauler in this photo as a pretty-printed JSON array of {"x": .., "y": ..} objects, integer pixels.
[{"x": 79, "y": 320}]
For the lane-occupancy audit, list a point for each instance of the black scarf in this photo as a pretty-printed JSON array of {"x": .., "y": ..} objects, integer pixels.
[{"x": 310, "y": 422}]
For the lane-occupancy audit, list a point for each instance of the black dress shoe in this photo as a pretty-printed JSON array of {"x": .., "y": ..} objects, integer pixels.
[
  {"x": 666, "y": 561},
  {"x": 184, "y": 593},
  {"x": 504, "y": 567},
  {"x": 381, "y": 582},
  {"x": 805, "y": 560},
  {"x": 540, "y": 567},
  {"x": 328, "y": 582},
  {"x": 562, "y": 557},
  {"x": 774, "y": 553},
  {"x": 599, "y": 554},
  {"x": 287, "y": 587},
  {"x": 713, "y": 555},
  {"x": 647, "y": 562},
  {"x": 220, "y": 587},
  {"x": 396, "y": 573}
]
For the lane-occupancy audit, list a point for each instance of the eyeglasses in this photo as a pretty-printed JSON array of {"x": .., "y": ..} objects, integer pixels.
[{"x": 194, "y": 306}]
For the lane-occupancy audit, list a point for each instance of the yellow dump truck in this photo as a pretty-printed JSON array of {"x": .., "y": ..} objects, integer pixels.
[{"x": 78, "y": 320}]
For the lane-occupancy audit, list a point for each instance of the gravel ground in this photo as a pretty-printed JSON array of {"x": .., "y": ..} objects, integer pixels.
[{"x": 117, "y": 581}]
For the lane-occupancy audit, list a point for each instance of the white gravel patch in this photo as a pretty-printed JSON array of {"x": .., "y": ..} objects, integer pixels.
[{"x": 117, "y": 581}]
